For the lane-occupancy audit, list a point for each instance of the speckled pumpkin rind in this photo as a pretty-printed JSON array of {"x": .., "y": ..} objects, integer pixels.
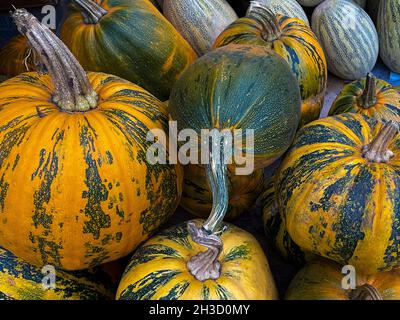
[
  {"x": 133, "y": 41},
  {"x": 84, "y": 192},
  {"x": 288, "y": 8},
  {"x": 322, "y": 280},
  {"x": 336, "y": 203},
  {"x": 298, "y": 46},
  {"x": 22, "y": 281},
  {"x": 387, "y": 106},
  {"x": 158, "y": 270}
]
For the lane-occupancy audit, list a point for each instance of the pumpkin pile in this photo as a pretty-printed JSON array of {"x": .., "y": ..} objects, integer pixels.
[{"x": 85, "y": 199}]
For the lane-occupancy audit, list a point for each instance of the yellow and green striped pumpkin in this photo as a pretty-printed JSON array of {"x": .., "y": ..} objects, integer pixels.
[
  {"x": 22, "y": 281},
  {"x": 131, "y": 39},
  {"x": 369, "y": 96},
  {"x": 295, "y": 42},
  {"x": 158, "y": 269},
  {"x": 339, "y": 191},
  {"x": 388, "y": 24},
  {"x": 322, "y": 279},
  {"x": 197, "y": 196},
  {"x": 348, "y": 37},
  {"x": 13, "y": 55},
  {"x": 288, "y": 8},
  {"x": 199, "y": 21}
]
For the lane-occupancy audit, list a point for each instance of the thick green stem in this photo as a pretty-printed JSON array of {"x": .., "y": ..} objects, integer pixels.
[
  {"x": 270, "y": 25},
  {"x": 73, "y": 91},
  {"x": 368, "y": 97},
  {"x": 205, "y": 265},
  {"x": 365, "y": 292},
  {"x": 91, "y": 11},
  {"x": 378, "y": 150}
]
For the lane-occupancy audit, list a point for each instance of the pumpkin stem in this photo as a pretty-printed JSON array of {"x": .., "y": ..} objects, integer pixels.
[
  {"x": 368, "y": 97},
  {"x": 377, "y": 151},
  {"x": 90, "y": 10},
  {"x": 365, "y": 292},
  {"x": 73, "y": 89},
  {"x": 266, "y": 18},
  {"x": 205, "y": 265}
]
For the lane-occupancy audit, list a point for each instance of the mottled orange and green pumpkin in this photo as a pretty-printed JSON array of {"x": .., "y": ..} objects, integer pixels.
[
  {"x": 370, "y": 96},
  {"x": 158, "y": 269},
  {"x": 15, "y": 57},
  {"x": 293, "y": 40},
  {"x": 322, "y": 279},
  {"x": 130, "y": 39},
  {"x": 76, "y": 188},
  {"x": 21, "y": 281},
  {"x": 197, "y": 196},
  {"x": 339, "y": 191}
]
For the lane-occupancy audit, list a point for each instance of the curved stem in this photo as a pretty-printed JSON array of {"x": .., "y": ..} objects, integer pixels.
[
  {"x": 205, "y": 265},
  {"x": 73, "y": 91},
  {"x": 268, "y": 20},
  {"x": 365, "y": 292},
  {"x": 378, "y": 150},
  {"x": 90, "y": 10},
  {"x": 368, "y": 97}
]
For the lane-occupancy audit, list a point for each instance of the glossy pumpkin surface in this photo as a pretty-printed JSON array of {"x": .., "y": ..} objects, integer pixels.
[
  {"x": 12, "y": 57},
  {"x": 84, "y": 192},
  {"x": 335, "y": 202},
  {"x": 297, "y": 44},
  {"x": 240, "y": 87},
  {"x": 322, "y": 280},
  {"x": 197, "y": 196},
  {"x": 158, "y": 269},
  {"x": 388, "y": 25},
  {"x": 385, "y": 107},
  {"x": 133, "y": 41},
  {"x": 199, "y": 21},
  {"x": 348, "y": 37},
  {"x": 22, "y": 281}
]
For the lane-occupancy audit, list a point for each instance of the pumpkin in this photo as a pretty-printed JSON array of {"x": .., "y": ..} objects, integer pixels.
[
  {"x": 15, "y": 57},
  {"x": 309, "y": 3},
  {"x": 348, "y": 37},
  {"x": 275, "y": 228},
  {"x": 321, "y": 279},
  {"x": 21, "y": 281},
  {"x": 289, "y": 8},
  {"x": 370, "y": 96},
  {"x": 73, "y": 161},
  {"x": 129, "y": 39},
  {"x": 339, "y": 191},
  {"x": 388, "y": 25},
  {"x": 197, "y": 195},
  {"x": 373, "y": 8},
  {"x": 158, "y": 270},
  {"x": 293, "y": 40},
  {"x": 199, "y": 21},
  {"x": 249, "y": 93}
]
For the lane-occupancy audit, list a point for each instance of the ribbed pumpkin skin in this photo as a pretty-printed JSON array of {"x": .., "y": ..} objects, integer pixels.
[
  {"x": 158, "y": 270},
  {"x": 322, "y": 280},
  {"x": 12, "y": 57},
  {"x": 197, "y": 196},
  {"x": 299, "y": 47},
  {"x": 388, "y": 25},
  {"x": 309, "y": 3},
  {"x": 348, "y": 37},
  {"x": 386, "y": 108},
  {"x": 223, "y": 90},
  {"x": 22, "y": 281},
  {"x": 133, "y": 41},
  {"x": 335, "y": 202},
  {"x": 289, "y": 8},
  {"x": 275, "y": 228},
  {"x": 83, "y": 189},
  {"x": 199, "y": 21}
]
